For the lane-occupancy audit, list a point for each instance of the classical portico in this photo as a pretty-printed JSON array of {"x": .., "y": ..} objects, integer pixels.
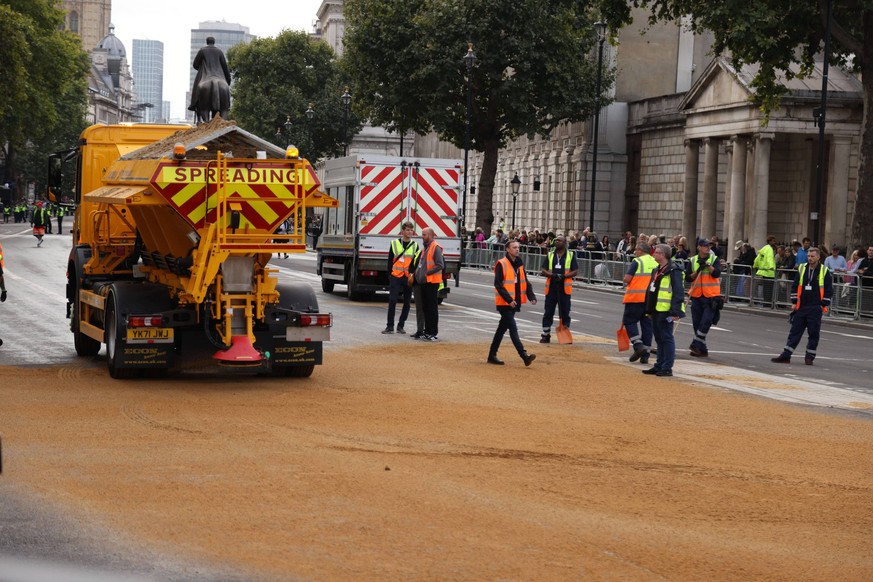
[{"x": 761, "y": 179}]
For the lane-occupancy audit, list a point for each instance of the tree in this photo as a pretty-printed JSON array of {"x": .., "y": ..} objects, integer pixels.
[
  {"x": 534, "y": 70},
  {"x": 44, "y": 86},
  {"x": 275, "y": 79},
  {"x": 776, "y": 34}
]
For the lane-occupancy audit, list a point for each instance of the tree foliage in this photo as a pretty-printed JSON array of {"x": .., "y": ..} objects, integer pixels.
[
  {"x": 775, "y": 35},
  {"x": 275, "y": 79},
  {"x": 44, "y": 95},
  {"x": 534, "y": 69}
]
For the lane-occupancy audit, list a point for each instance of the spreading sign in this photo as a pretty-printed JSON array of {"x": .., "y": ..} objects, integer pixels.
[{"x": 268, "y": 192}]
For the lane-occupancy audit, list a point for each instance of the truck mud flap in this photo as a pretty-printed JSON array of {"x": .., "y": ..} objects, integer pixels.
[
  {"x": 144, "y": 355},
  {"x": 296, "y": 353}
]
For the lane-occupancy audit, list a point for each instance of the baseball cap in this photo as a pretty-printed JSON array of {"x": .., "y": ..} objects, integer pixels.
[{"x": 702, "y": 242}]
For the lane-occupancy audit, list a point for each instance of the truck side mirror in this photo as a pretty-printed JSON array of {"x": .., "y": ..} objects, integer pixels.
[{"x": 55, "y": 178}]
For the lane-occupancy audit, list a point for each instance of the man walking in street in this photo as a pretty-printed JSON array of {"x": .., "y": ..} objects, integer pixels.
[
  {"x": 2, "y": 282},
  {"x": 635, "y": 320},
  {"x": 665, "y": 302},
  {"x": 60, "y": 216},
  {"x": 429, "y": 275},
  {"x": 400, "y": 257},
  {"x": 511, "y": 289},
  {"x": 813, "y": 289},
  {"x": 704, "y": 270},
  {"x": 559, "y": 268},
  {"x": 38, "y": 222}
]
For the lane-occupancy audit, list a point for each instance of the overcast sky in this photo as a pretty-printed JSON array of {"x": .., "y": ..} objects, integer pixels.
[{"x": 171, "y": 21}]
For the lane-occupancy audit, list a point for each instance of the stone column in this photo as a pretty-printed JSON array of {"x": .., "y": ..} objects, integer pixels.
[
  {"x": 738, "y": 193},
  {"x": 838, "y": 191},
  {"x": 710, "y": 181},
  {"x": 761, "y": 215},
  {"x": 726, "y": 216},
  {"x": 750, "y": 190},
  {"x": 689, "y": 207}
]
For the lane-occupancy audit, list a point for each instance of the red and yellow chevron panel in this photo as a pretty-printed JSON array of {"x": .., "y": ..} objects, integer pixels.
[{"x": 268, "y": 192}]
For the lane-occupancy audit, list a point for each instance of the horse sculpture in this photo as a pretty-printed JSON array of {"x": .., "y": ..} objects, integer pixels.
[{"x": 210, "y": 94}]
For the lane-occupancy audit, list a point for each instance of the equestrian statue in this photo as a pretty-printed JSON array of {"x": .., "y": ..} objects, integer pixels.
[{"x": 210, "y": 94}]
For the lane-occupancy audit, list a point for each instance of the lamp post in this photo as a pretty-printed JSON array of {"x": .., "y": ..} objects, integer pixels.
[
  {"x": 287, "y": 125},
  {"x": 819, "y": 115},
  {"x": 600, "y": 29},
  {"x": 469, "y": 59},
  {"x": 516, "y": 186},
  {"x": 310, "y": 113},
  {"x": 346, "y": 99}
]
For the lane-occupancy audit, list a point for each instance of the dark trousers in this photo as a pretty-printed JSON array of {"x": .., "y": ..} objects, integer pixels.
[
  {"x": 60, "y": 225},
  {"x": 702, "y": 312},
  {"x": 556, "y": 298},
  {"x": 430, "y": 303},
  {"x": 807, "y": 319},
  {"x": 507, "y": 322},
  {"x": 398, "y": 286},
  {"x": 419, "y": 310},
  {"x": 637, "y": 324},
  {"x": 663, "y": 330}
]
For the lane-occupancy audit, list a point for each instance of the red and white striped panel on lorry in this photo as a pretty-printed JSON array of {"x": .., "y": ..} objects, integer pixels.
[{"x": 393, "y": 194}]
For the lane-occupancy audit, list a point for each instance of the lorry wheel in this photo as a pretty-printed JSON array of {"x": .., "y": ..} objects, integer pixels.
[
  {"x": 353, "y": 293},
  {"x": 85, "y": 346},
  {"x": 327, "y": 286},
  {"x": 300, "y": 371},
  {"x": 112, "y": 332}
]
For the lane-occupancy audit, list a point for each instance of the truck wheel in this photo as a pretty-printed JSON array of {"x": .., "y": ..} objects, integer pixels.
[
  {"x": 112, "y": 329},
  {"x": 85, "y": 346},
  {"x": 353, "y": 293},
  {"x": 327, "y": 286},
  {"x": 300, "y": 371}
]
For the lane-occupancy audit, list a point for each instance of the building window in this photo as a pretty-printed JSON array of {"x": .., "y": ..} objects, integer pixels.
[{"x": 74, "y": 22}]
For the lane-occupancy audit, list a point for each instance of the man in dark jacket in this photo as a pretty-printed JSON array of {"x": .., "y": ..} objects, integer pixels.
[
  {"x": 665, "y": 303},
  {"x": 812, "y": 292},
  {"x": 511, "y": 289}
]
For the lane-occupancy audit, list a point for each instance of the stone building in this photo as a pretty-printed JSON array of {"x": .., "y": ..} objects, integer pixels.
[{"x": 89, "y": 19}]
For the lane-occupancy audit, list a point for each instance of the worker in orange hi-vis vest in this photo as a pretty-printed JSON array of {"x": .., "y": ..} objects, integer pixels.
[
  {"x": 703, "y": 270},
  {"x": 635, "y": 320},
  {"x": 429, "y": 276},
  {"x": 511, "y": 290}
]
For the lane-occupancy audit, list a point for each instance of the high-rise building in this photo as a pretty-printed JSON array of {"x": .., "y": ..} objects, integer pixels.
[
  {"x": 226, "y": 35},
  {"x": 90, "y": 19},
  {"x": 148, "y": 76}
]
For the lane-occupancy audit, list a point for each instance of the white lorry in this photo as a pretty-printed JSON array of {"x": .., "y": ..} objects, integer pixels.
[{"x": 376, "y": 195}]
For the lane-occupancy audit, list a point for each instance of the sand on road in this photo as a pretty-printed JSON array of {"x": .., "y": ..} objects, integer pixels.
[{"x": 422, "y": 462}]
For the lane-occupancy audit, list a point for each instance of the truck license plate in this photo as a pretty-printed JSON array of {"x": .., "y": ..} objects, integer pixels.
[{"x": 149, "y": 335}]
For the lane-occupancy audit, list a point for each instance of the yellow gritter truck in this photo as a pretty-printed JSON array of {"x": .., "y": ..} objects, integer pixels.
[{"x": 173, "y": 235}]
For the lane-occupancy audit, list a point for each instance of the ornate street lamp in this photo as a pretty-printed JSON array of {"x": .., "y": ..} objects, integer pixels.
[
  {"x": 516, "y": 186},
  {"x": 346, "y": 99},
  {"x": 469, "y": 59},
  {"x": 819, "y": 116},
  {"x": 310, "y": 113},
  {"x": 600, "y": 29}
]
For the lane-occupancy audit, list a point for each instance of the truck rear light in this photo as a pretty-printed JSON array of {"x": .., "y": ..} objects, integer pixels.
[
  {"x": 369, "y": 273},
  {"x": 145, "y": 321},
  {"x": 316, "y": 319}
]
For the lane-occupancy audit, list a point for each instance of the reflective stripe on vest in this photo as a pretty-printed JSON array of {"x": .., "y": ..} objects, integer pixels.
[
  {"x": 509, "y": 282},
  {"x": 705, "y": 285},
  {"x": 801, "y": 271},
  {"x": 568, "y": 281},
  {"x": 402, "y": 258},
  {"x": 636, "y": 289},
  {"x": 430, "y": 264}
]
